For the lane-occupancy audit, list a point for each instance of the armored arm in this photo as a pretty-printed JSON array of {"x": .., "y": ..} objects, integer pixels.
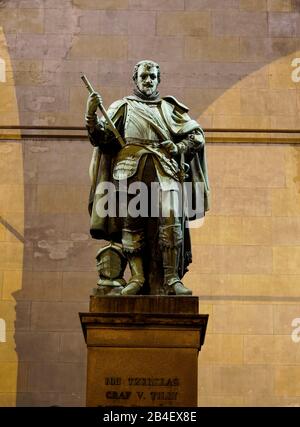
[
  {"x": 100, "y": 132},
  {"x": 100, "y": 136}
]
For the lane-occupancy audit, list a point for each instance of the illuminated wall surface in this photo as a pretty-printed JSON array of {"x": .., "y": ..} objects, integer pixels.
[{"x": 236, "y": 64}]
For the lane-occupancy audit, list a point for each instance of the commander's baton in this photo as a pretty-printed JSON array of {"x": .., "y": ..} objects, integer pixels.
[{"x": 103, "y": 111}]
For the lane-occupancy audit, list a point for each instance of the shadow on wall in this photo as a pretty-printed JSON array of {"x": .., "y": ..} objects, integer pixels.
[{"x": 58, "y": 274}]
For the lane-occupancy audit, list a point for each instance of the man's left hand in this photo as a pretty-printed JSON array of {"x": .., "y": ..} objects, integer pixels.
[
  {"x": 197, "y": 138},
  {"x": 170, "y": 147}
]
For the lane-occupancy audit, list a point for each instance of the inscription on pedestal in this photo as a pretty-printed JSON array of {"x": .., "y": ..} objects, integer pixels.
[
  {"x": 135, "y": 388},
  {"x": 158, "y": 376}
]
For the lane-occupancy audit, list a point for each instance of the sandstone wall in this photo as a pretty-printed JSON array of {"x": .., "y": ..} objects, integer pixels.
[{"x": 234, "y": 63}]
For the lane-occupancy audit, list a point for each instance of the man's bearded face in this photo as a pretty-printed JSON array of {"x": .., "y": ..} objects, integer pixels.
[{"x": 147, "y": 79}]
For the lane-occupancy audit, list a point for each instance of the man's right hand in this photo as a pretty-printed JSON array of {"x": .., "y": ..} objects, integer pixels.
[
  {"x": 91, "y": 119},
  {"x": 93, "y": 102}
]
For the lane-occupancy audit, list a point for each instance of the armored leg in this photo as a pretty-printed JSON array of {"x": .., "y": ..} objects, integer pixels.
[
  {"x": 133, "y": 243},
  {"x": 170, "y": 239}
]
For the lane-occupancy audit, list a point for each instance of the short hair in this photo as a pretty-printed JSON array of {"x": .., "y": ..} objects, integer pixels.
[{"x": 148, "y": 64}]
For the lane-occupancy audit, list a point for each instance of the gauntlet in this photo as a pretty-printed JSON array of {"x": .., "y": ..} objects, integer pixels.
[{"x": 91, "y": 118}]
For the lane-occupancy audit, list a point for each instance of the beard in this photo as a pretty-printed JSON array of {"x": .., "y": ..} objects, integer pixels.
[
  {"x": 147, "y": 90},
  {"x": 146, "y": 93}
]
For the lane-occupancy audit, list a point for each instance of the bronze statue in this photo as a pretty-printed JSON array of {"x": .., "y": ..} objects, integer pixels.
[{"x": 145, "y": 142}]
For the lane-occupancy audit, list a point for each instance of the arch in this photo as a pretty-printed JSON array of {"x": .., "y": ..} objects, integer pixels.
[
  {"x": 2, "y": 71},
  {"x": 2, "y": 331},
  {"x": 11, "y": 248}
]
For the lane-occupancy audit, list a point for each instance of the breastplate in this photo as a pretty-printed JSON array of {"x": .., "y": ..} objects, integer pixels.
[{"x": 144, "y": 121}]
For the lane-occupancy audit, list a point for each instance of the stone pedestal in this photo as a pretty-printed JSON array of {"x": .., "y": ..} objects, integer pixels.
[{"x": 142, "y": 350}]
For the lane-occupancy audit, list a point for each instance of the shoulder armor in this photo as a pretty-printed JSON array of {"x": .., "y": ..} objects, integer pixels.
[
  {"x": 115, "y": 107},
  {"x": 117, "y": 104},
  {"x": 173, "y": 100}
]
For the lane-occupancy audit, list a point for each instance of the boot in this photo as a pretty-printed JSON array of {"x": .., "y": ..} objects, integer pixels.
[
  {"x": 173, "y": 285},
  {"x": 137, "y": 279}
]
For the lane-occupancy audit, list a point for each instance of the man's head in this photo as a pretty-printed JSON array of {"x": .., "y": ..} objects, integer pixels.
[{"x": 146, "y": 75}]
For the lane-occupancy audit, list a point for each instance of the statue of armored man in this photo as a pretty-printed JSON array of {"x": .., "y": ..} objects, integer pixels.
[{"x": 149, "y": 180}]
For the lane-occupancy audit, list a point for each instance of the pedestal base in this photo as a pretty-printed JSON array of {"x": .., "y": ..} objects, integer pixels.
[{"x": 142, "y": 350}]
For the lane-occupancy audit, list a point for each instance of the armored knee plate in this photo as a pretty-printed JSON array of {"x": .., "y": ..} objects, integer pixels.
[{"x": 133, "y": 241}]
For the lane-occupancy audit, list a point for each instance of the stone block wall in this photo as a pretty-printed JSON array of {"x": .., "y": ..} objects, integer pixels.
[{"x": 234, "y": 63}]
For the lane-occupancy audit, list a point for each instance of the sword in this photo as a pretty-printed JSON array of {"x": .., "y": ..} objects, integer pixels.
[{"x": 103, "y": 111}]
